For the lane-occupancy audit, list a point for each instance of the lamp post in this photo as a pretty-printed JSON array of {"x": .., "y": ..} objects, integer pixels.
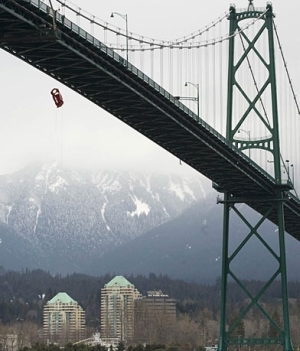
[
  {"x": 191, "y": 98},
  {"x": 126, "y": 21},
  {"x": 288, "y": 171},
  {"x": 288, "y": 167},
  {"x": 197, "y": 98},
  {"x": 248, "y": 133}
]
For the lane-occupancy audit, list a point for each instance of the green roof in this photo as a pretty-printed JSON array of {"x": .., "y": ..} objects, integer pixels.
[
  {"x": 62, "y": 297},
  {"x": 119, "y": 280}
]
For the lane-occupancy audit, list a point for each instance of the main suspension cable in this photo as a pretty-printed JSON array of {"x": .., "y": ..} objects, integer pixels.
[{"x": 180, "y": 43}]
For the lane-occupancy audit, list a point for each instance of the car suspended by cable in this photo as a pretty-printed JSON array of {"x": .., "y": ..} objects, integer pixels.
[{"x": 57, "y": 97}]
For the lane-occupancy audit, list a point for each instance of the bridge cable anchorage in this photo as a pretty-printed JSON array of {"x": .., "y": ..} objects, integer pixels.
[{"x": 286, "y": 69}]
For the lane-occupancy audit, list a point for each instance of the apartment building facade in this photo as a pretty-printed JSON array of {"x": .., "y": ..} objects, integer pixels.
[
  {"x": 63, "y": 320},
  {"x": 117, "y": 310},
  {"x": 154, "y": 317}
]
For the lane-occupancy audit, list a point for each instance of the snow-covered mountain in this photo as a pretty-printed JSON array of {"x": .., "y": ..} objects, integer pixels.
[
  {"x": 66, "y": 219},
  {"x": 190, "y": 248}
]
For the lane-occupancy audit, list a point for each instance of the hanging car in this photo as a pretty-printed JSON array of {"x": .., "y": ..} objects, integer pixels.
[{"x": 57, "y": 97}]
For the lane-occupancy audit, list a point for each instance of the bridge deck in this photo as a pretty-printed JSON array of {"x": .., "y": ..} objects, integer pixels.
[{"x": 67, "y": 53}]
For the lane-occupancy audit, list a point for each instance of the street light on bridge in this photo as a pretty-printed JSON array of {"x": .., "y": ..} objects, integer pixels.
[
  {"x": 248, "y": 133},
  {"x": 293, "y": 175},
  {"x": 196, "y": 98},
  {"x": 191, "y": 98},
  {"x": 126, "y": 21}
]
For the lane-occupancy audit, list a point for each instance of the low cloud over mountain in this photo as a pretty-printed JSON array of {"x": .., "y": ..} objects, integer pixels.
[{"x": 66, "y": 219}]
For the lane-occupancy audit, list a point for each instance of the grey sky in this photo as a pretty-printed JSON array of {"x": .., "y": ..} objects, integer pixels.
[{"x": 32, "y": 126}]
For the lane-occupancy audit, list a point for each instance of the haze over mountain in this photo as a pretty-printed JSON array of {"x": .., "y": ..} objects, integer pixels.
[
  {"x": 98, "y": 222},
  {"x": 190, "y": 248},
  {"x": 67, "y": 219}
]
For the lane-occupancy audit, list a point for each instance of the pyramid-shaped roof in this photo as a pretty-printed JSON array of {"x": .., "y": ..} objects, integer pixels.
[
  {"x": 63, "y": 297},
  {"x": 119, "y": 280}
]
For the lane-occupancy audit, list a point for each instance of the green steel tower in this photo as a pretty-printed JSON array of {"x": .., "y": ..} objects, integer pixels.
[{"x": 256, "y": 102}]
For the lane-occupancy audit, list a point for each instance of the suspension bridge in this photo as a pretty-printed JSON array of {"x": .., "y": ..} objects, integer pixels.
[{"x": 227, "y": 126}]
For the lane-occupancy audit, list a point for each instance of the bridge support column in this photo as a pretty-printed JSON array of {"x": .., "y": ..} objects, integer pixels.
[
  {"x": 225, "y": 266},
  {"x": 285, "y": 303},
  {"x": 258, "y": 116},
  {"x": 232, "y": 332}
]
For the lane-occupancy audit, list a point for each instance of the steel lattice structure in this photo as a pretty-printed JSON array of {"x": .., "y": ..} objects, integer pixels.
[{"x": 33, "y": 32}]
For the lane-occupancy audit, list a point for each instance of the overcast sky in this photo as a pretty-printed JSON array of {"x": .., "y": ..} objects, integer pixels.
[{"x": 31, "y": 125}]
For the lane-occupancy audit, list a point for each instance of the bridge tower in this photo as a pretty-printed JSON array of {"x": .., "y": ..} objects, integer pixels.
[{"x": 232, "y": 328}]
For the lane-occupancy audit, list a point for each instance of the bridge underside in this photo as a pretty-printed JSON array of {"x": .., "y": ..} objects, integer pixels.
[{"x": 119, "y": 88}]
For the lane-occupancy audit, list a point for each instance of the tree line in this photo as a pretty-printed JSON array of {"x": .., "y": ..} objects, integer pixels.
[
  {"x": 85, "y": 347},
  {"x": 23, "y": 295}
]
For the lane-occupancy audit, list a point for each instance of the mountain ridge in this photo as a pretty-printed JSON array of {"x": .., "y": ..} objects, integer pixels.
[
  {"x": 111, "y": 222},
  {"x": 189, "y": 248},
  {"x": 64, "y": 214}
]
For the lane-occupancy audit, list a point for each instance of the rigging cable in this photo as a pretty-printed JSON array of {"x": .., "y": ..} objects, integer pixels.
[
  {"x": 292, "y": 90},
  {"x": 286, "y": 69}
]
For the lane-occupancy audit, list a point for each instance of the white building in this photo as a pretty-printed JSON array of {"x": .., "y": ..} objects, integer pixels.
[
  {"x": 117, "y": 309},
  {"x": 63, "y": 320}
]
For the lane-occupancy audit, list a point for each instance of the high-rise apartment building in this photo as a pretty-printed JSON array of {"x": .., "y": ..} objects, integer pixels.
[
  {"x": 63, "y": 320},
  {"x": 154, "y": 317},
  {"x": 117, "y": 309}
]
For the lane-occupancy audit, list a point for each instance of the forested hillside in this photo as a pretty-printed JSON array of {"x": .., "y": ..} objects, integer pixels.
[
  {"x": 23, "y": 294},
  {"x": 64, "y": 220}
]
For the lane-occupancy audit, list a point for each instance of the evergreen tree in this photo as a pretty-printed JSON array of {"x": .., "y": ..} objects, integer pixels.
[
  {"x": 273, "y": 330},
  {"x": 121, "y": 346}
]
